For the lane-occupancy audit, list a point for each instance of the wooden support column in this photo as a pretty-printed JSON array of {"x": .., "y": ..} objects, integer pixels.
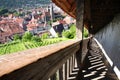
[
  {"x": 65, "y": 69},
  {"x": 87, "y": 17},
  {"x": 61, "y": 73},
  {"x": 79, "y": 18},
  {"x": 54, "y": 77},
  {"x": 79, "y": 25}
]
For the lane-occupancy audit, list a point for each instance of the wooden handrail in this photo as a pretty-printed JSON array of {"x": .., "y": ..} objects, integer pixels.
[{"x": 39, "y": 63}]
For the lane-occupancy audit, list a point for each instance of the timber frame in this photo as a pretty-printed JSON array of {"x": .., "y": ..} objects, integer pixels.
[{"x": 97, "y": 13}]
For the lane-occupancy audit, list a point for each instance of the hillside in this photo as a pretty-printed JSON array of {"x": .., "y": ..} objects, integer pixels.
[{"x": 22, "y": 3}]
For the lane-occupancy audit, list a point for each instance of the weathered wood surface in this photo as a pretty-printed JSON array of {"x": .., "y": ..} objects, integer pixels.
[
  {"x": 79, "y": 18},
  {"x": 84, "y": 49},
  {"x": 41, "y": 63},
  {"x": 11, "y": 62},
  {"x": 35, "y": 64}
]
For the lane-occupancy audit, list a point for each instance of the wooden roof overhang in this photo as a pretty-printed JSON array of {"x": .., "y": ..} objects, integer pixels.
[
  {"x": 69, "y": 6},
  {"x": 97, "y": 13}
]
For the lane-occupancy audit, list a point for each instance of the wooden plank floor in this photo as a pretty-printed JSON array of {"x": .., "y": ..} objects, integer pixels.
[{"x": 96, "y": 66}]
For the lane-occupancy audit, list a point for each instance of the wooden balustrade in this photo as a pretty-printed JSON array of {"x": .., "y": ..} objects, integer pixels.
[
  {"x": 56, "y": 62},
  {"x": 67, "y": 71},
  {"x": 70, "y": 68}
]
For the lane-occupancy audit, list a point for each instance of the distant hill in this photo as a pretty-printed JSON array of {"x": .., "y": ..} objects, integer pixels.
[{"x": 22, "y": 3}]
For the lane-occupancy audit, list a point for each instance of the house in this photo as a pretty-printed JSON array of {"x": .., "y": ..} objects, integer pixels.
[
  {"x": 58, "y": 27},
  {"x": 64, "y": 24},
  {"x": 8, "y": 29}
]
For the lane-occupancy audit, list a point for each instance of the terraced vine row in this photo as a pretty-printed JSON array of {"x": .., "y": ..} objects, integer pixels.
[{"x": 19, "y": 46}]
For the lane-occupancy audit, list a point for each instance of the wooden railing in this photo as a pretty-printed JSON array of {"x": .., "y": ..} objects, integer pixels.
[{"x": 60, "y": 61}]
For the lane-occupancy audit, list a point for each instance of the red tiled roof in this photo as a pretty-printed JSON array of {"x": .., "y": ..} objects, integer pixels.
[
  {"x": 19, "y": 20},
  {"x": 62, "y": 22},
  {"x": 9, "y": 28}
]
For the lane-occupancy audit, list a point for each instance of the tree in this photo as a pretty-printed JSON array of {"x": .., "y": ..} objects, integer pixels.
[
  {"x": 16, "y": 14},
  {"x": 27, "y": 36},
  {"x": 3, "y": 11}
]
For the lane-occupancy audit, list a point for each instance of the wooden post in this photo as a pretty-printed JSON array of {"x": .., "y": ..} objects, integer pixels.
[
  {"x": 79, "y": 31},
  {"x": 80, "y": 25},
  {"x": 65, "y": 69},
  {"x": 79, "y": 18},
  {"x": 68, "y": 71},
  {"x": 61, "y": 73},
  {"x": 87, "y": 17},
  {"x": 53, "y": 77}
]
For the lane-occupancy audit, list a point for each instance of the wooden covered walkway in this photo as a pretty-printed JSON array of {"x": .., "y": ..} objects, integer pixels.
[
  {"x": 66, "y": 63},
  {"x": 80, "y": 59},
  {"x": 96, "y": 66}
]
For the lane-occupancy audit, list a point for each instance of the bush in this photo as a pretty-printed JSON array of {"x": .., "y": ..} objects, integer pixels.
[
  {"x": 36, "y": 39},
  {"x": 85, "y": 33},
  {"x": 71, "y": 33},
  {"x": 27, "y": 36},
  {"x": 73, "y": 28},
  {"x": 66, "y": 34},
  {"x": 16, "y": 37},
  {"x": 45, "y": 36}
]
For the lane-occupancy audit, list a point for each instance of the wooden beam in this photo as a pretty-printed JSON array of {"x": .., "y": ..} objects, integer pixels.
[
  {"x": 79, "y": 17},
  {"x": 73, "y": 7}
]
